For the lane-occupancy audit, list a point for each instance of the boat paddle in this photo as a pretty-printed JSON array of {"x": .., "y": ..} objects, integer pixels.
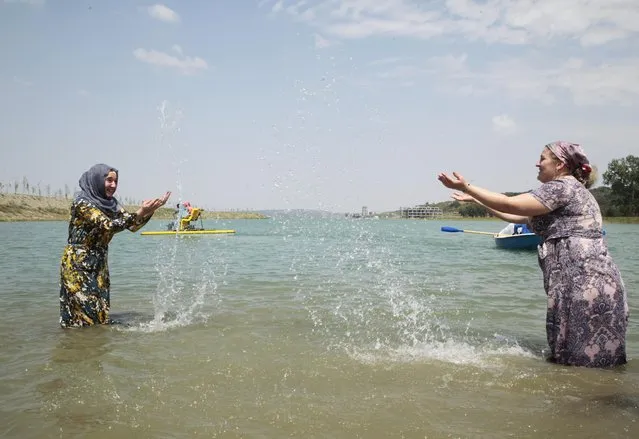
[{"x": 454, "y": 230}]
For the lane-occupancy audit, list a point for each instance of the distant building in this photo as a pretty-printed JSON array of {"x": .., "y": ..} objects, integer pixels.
[
  {"x": 365, "y": 214},
  {"x": 422, "y": 211}
]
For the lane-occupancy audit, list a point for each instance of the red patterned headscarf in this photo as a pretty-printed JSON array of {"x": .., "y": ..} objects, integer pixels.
[{"x": 571, "y": 154}]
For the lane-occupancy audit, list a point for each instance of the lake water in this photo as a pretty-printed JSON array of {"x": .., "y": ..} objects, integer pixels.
[{"x": 301, "y": 328}]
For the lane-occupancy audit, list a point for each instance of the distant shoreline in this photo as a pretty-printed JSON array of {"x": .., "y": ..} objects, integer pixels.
[
  {"x": 23, "y": 208},
  {"x": 608, "y": 219}
]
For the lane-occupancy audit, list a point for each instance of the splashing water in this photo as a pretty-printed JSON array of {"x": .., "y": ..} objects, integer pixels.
[
  {"x": 376, "y": 305},
  {"x": 187, "y": 282},
  {"x": 169, "y": 129},
  {"x": 376, "y": 308},
  {"x": 187, "y": 285}
]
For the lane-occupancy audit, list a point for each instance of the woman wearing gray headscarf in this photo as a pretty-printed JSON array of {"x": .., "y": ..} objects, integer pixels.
[
  {"x": 95, "y": 217},
  {"x": 587, "y": 313}
]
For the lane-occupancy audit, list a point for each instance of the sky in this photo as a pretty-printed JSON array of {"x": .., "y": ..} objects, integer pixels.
[{"x": 312, "y": 104}]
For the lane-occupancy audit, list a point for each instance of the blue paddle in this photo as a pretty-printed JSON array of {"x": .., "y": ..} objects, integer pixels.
[{"x": 454, "y": 230}]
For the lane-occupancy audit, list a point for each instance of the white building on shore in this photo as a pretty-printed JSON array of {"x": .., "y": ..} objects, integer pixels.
[{"x": 422, "y": 212}]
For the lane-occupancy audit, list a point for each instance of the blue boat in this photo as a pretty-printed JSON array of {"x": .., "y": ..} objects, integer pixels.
[
  {"x": 508, "y": 238},
  {"x": 523, "y": 241}
]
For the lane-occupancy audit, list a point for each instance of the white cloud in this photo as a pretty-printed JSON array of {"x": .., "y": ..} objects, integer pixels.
[
  {"x": 595, "y": 76},
  {"x": 163, "y": 13},
  {"x": 323, "y": 43},
  {"x": 185, "y": 64},
  {"x": 453, "y": 65},
  {"x": 539, "y": 79},
  {"x": 503, "y": 124},
  {"x": 494, "y": 21},
  {"x": 601, "y": 36},
  {"x": 276, "y": 7},
  {"x": 586, "y": 82}
]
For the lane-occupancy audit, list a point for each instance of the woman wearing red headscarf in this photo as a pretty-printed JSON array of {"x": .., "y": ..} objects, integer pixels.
[{"x": 587, "y": 313}]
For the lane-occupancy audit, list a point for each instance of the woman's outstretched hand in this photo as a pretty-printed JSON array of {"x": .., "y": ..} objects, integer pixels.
[
  {"x": 460, "y": 196},
  {"x": 458, "y": 182},
  {"x": 150, "y": 206}
]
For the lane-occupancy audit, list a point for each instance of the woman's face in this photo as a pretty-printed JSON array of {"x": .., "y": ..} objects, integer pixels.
[
  {"x": 549, "y": 166},
  {"x": 110, "y": 184}
]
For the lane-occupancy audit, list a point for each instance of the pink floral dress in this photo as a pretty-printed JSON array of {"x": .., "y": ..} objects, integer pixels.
[{"x": 587, "y": 312}]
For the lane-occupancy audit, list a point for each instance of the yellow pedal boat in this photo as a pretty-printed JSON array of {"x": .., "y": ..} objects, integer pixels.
[
  {"x": 183, "y": 226},
  {"x": 189, "y": 232}
]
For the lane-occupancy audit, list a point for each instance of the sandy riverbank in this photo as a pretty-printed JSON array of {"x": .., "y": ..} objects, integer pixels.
[{"x": 20, "y": 207}]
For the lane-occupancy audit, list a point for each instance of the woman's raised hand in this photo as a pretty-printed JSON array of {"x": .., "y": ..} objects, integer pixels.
[
  {"x": 148, "y": 207},
  {"x": 460, "y": 196},
  {"x": 458, "y": 182}
]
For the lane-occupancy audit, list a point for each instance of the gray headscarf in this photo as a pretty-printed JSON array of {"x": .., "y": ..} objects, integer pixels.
[{"x": 92, "y": 188}]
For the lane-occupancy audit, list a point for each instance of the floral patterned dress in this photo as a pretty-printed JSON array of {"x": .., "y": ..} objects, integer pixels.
[
  {"x": 587, "y": 312},
  {"x": 84, "y": 270}
]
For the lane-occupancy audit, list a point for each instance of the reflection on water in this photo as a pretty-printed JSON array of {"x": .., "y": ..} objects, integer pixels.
[
  {"x": 78, "y": 346},
  {"x": 622, "y": 400},
  {"x": 79, "y": 393}
]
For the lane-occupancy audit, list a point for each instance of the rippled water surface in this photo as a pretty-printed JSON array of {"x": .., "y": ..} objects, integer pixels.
[{"x": 303, "y": 328}]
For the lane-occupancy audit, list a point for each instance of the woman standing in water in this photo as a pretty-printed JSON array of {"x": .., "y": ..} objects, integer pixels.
[
  {"x": 587, "y": 313},
  {"x": 95, "y": 217}
]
